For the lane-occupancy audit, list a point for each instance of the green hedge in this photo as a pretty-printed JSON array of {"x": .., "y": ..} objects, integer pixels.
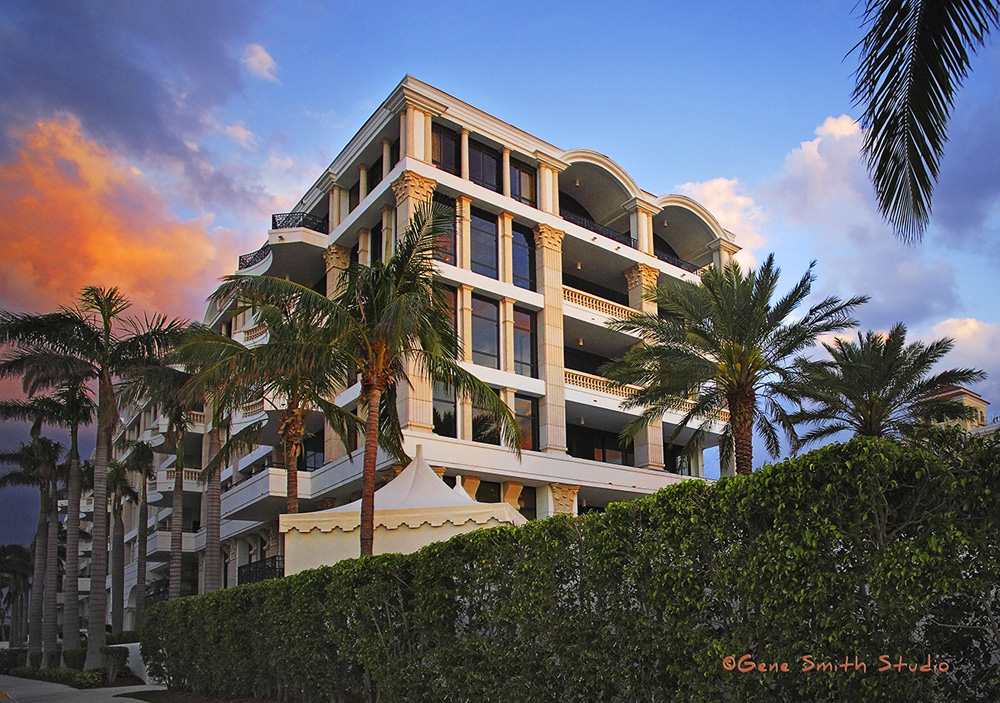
[
  {"x": 861, "y": 550},
  {"x": 89, "y": 678}
]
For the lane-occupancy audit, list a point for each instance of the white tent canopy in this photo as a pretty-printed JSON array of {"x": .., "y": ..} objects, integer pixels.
[{"x": 413, "y": 510}]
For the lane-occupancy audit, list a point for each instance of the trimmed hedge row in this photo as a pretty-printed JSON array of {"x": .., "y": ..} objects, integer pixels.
[{"x": 857, "y": 554}]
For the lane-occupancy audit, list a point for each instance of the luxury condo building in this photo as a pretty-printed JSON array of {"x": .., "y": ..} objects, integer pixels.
[{"x": 547, "y": 246}]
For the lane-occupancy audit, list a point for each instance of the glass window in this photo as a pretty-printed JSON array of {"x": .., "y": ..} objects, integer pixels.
[
  {"x": 446, "y": 151},
  {"x": 485, "y": 332},
  {"x": 354, "y": 196},
  {"x": 311, "y": 452},
  {"x": 522, "y": 182},
  {"x": 375, "y": 244},
  {"x": 484, "y": 429},
  {"x": 374, "y": 174},
  {"x": 484, "y": 257},
  {"x": 523, "y": 257},
  {"x": 598, "y": 445},
  {"x": 526, "y": 414},
  {"x": 525, "y": 343},
  {"x": 445, "y": 250},
  {"x": 484, "y": 166},
  {"x": 527, "y": 502},
  {"x": 444, "y": 411}
]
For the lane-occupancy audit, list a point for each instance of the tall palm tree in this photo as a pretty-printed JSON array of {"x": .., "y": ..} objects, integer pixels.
[
  {"x": 120, "y": 490},
  {"x": 725, "y": 344},
  {"x": 876, "y": 387},
  {"x": 36, "y": 466},
  {"x": 93, "y": 340},
  {"x": 138, "y": 459},
  {"x": 913, "y": 59},
  {"x": 69, "y": 406},
  {"x": 383, "y": 320}
]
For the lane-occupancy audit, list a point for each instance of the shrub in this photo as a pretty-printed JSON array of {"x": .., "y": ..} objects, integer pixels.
[
  {"x": 12, "y": 658},
  {"x": 123, "y": 637},
  {"x": 34, "y": 659},
  {"x": 867, "y": 549},
  {"x": 75, "y": 658},
  {"x": 89, "y": 678},
  {"x": 115, "y": 662}
]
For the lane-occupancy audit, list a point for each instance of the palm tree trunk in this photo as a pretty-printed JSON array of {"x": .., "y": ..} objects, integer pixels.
[
  {"x": 213, "y": 520},
  {"x": 291, "y": 433},
  {"x": 50, "y": 628},
  {"x": 177, "y": 521},
  {"x": 97, "y": 612},
  {"x": 741, "y": 405},
  {"x": 38, "y": 584},
  {"x": 143, "y": 539},
  {"x": 117, "y": 570},
  {"x": 368, "y": 474},
  {"x": 71, "y": 594}
]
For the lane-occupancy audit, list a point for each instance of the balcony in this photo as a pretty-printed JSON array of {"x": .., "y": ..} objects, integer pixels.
[
  {"x": 600, "y": 229},
  {"x": 599, "y": 384},
  {"x": 679, "y": 263},
  {"x": 292, "y": 220},
  {"x": 595, "y": 303},
  {"x": 269, "y": 568},
  {"x": 255, "y": 257}
]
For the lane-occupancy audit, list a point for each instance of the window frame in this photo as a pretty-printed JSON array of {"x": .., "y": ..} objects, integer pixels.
[{"x": 478, "y": 355}]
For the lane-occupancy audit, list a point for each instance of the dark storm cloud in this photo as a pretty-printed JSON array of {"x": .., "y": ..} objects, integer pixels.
[{"x": 142, "y": 78}]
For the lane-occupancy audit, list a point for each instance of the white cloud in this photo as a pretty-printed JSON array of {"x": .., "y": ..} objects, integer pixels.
[
  {"x": 240, "y": 134},
  {"x": 976, "y": 345},
  {"x": 260, "y": 63},
  {"x": 736, "y": 211}
]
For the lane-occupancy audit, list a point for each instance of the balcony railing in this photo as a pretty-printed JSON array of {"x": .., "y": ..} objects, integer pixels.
[
  {"x": 605, "y": 307},
  {"x": 291, "y": 220},
  {"x": 196, "y": 418},
  {"x": 590, "y": 382},
  {"x": 679, "y": 263},
  {"x": 600, "y": 229},
  {"x": 269, "y": 568},
  {"x": 254, "y": 257},
  {"x": 251, "y": 409},
  {"x": 255, "y": 332}
]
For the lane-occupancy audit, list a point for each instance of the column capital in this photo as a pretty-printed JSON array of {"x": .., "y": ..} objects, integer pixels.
[
  {"x": 720, "y": 244},
  {"x": 641, "y": 276},
  {"x": 336, "y": 257},
  {"x": 551, "y": 162},
  {"x": 548, "y": 237},
  {"x": 413, "y": 185},
  {"x": 564, "y": 497},
  {"x": 641, "y": 205}
]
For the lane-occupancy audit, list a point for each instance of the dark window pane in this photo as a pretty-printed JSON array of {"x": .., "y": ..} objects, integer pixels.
[
  {"x": 522, "y": 183},
  {"x": 446, "y": 150},
  {"x": 523, "y": 257},
  {"x": 485, "y": 430},
  {"x": 527, "y": 502},
  {"x": 374, "y": 174},
  {"x": 488, "y": 492},
  {"x": 446, "y": 247},
  {"x": 375, "y": 244},
  {"x": 525, "y": 343},
  {"x": 484, "y": 258},
  {"x": 444, "y": 411},
  {"x": 485, "y": 332},
  {"x": 526, "y": 414},
  {"x": 484, "y": 166}
]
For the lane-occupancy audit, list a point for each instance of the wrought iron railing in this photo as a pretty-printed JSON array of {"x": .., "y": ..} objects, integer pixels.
[
  {"x": 600, "y": 229},
  {"x": 269, "y": 568},
  {"x": 254, "y": 257},
  {"x": 679, "y": 263},
  {"x": 290, "y": 220}
]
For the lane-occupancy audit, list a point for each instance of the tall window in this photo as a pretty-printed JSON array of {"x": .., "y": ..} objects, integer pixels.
[
  {"x": 444, "y": 411},
  {"x": 522, "y": 182},
  {"x": 523, "y": 257},
  {"x": 484, "y": 166},
  {"x": 484, "y": 257},
  {"x": 374, "y": 174},
  {"x": 354, "y": 196},
  {"x": 446, "y": 245},
  {"x": 525, "y": 343},
  {"x": 598, "y": 445},
  {"x": 485, "y": 332},
  {"x": 375, "y": 244},
  {"x": 526, "y": 414},
  {"x": 446, "y": 151},
  {"x": 484, "y": 428},
  {"x": 311, "y": 453}
]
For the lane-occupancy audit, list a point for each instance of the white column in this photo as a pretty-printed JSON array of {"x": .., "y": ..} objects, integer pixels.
[
  {"x": 362, "y": 182},
  {"x": 386, "y": 158},
  {"x": 552, "y": 406},
  {"x": 388, "y": 236},
  {"x": 506, "y": 172},
  {"x": 507, "y": 340},
  {"x": 465, "y": 154},
  {"x": 505, "y": 223},
  {"x": 428, "y": 139},
  {"x": 463, "y": 235}
]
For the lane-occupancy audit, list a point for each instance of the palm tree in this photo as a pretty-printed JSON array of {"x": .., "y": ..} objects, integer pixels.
[
  {"x": 725, "y": 344},
  {"x": 36, "y": 464},
  {"x": 139, "y": 460},
  {"x": 877, "y": 387},
  {"x": 913, "y": 59},
  {"x": 94, "y": 341},
  {"x": 119, "y": 490},
  {"x": 69, "y": 406},
  {"x": 383, "y": 320}
]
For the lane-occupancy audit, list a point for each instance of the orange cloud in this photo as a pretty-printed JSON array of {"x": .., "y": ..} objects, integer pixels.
[{"x": 77, "y": 214}]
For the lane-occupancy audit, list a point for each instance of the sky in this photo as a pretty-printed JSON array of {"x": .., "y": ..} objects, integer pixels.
[{"x": 145, "y": 145}]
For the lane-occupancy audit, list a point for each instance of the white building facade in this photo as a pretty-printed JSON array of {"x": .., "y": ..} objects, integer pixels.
[{"x": 548, "y": 245}]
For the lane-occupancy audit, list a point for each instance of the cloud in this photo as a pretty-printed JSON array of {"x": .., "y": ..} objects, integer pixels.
[
  {"x": 259, "y": 62},
  {"x": 76, "y": 214},
  {"x": 736, "y": 211},
  {"x": 976, "y": 344}
]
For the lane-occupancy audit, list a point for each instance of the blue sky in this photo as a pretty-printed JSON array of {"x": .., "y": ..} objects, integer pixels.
[{"x": 146, "y": 144}]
